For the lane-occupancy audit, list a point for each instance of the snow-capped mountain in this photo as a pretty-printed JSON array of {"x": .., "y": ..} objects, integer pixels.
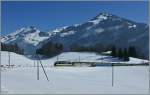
[
  {"x": 105, "y": 30},
  {"x": 27, "y": 38}
]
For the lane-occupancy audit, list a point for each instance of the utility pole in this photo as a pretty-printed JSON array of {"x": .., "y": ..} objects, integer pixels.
[
  {"x": 44, "y": 71},
  {"x": 39, "y": 62}
]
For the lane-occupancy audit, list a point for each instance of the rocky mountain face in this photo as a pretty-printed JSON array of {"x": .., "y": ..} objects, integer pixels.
[
  {"x": 26, "y": 38},
  {"x": 105, "y": 30}
]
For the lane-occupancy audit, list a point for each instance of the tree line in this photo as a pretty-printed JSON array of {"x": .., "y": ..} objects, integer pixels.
[
  {"x": 12, "y": 48},
  {"x": 124, "y": 53},
  {"x": 50, "y": 49},
  {"x": 98, "y": 48},
  {"x": 121, "y": 53}
]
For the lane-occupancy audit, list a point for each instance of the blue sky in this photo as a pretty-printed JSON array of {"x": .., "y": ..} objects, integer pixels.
[{"x": 50, "y": 15}]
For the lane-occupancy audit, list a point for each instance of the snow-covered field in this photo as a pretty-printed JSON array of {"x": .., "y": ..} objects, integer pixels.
[{"x": 22, "y": 78}]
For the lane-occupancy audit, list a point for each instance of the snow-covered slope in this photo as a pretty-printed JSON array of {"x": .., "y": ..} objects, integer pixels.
[
  {"x": 96, "y": 80},
  {"x": 15, "y": 59},
  {"x": 82, "y": 80},
  {"x": 20, "y": 60}
]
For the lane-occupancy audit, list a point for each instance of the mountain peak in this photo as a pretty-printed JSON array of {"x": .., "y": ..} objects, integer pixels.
[
  {"x": 104, "y": 16},
  {"x": 25, "y": 30}
]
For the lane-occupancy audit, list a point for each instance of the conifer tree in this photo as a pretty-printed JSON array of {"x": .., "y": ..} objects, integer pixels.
[
  {"x": 132, "y": 51},
  {"x": 125, "y": 55},
  {"x": 120, "y": 53},
  {"x": 113, "y": 53}
]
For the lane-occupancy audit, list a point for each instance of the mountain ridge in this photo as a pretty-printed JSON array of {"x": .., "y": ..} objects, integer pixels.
[{"x": 104, "y": 29}]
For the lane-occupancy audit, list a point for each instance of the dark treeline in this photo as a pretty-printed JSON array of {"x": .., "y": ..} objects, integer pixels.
[
  {"x": 98, "y": 48},
  {"x": 121, "y": 53},
  {"x": 85, "y": 48},
  {"x": 124, "y": 53},
  {"x": 50, "y": 49},
  {"x": 12, "y": 48}
]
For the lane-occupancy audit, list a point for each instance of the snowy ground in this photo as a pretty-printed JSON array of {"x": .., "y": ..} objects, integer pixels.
[
  {"x": 73, "y": 80},
  {"x": 20, "y": 60}
]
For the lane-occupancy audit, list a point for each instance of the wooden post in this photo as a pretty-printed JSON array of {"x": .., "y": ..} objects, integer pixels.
[
  {"x": 37, "y": 70},
  {"x": 102, "y": 59},
  {"x": 112, "y": 74},
  {"x": 79, "y": 58},
  {"x": 34, "y": 63},
  {"x": 9, "y": 59},
  {"x": 57, "y": 58},
  {"x": 79, "y": 61}
]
